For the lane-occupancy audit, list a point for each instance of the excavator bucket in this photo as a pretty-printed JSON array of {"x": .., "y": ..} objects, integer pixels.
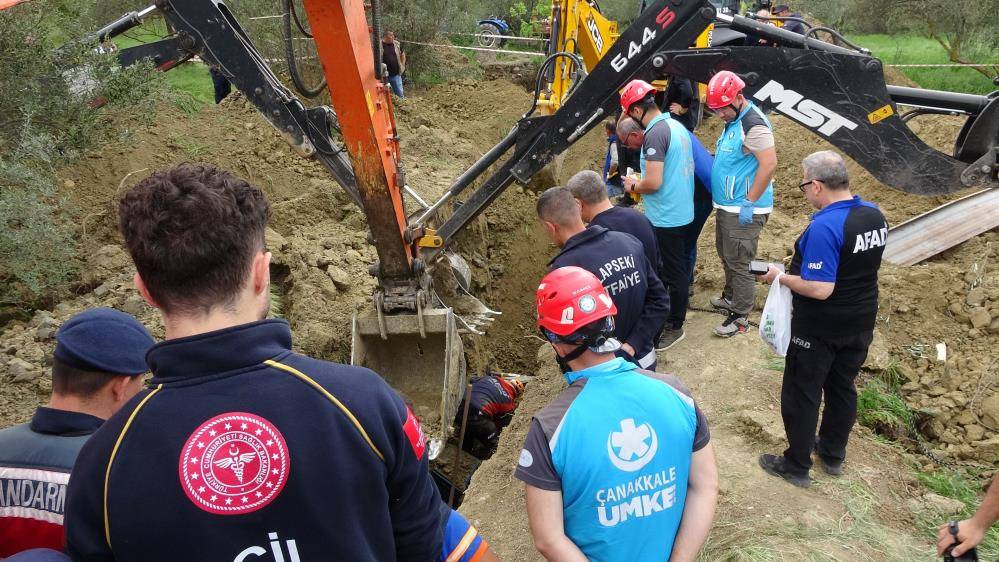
[{"x": 419, "y": 355}]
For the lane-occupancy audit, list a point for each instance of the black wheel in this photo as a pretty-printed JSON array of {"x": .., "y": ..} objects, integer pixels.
[{"x": 489, "y": 36}]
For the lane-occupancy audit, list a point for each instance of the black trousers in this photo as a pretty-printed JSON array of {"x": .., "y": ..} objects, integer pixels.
[
  {"x": 221, "y": 85},
  {"x": 675, "y": 270},
  {"x": 815, "y": 367},
  {"x": 702, "y": 210}
]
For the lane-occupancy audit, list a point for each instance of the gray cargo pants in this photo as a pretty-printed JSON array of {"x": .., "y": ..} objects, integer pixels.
[{"x": 736, "y": 246}]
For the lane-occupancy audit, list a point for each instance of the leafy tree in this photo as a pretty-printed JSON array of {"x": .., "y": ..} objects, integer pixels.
[
  {"x": 953, "y": 25},
  {"x": 49, "y": 115}
]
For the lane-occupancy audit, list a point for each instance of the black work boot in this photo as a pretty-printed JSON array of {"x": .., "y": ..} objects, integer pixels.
[
  {"x": 832, "y": 468},
  {"x": 669, "y": 338},
  {"x": 774, "y": 465}
]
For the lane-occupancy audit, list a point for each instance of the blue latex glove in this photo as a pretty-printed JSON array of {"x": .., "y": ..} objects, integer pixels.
[{"x": 746, "y": 212}]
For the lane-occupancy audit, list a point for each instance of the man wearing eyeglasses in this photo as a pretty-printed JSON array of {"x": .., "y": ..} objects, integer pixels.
[{"x": 834, "y": 281}]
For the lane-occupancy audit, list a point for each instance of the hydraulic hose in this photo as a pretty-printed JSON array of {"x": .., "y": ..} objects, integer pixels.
[
  {"x": 836, "y": 37},
  {"x": 541, "y": 75},
  {"x": 289, "y": 51},
  {"x": 376, "y": 36}
]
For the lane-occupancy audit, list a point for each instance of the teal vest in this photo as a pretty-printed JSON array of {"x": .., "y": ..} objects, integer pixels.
[
  {"x": 733, "y": 172},
  {"x": 673, "y": 204},
  {"x": 623, "y": 451}
]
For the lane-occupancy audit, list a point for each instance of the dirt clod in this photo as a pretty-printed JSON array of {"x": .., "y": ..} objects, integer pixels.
[
  {"x": 979, "y": 317},
  {"x": 937, "y": 503},
  {"x": 21, "y": 370}
]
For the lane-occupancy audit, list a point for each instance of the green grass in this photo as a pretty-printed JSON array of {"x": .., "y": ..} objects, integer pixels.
[
  {"x": 963, "y": 488},
  {"x": 773, "y": 362},
  {"x": 858, "y": 531},
  {"x": 916, "y": 49},
  {"x": 276, "y": 308},
  {"x": 880, "y": 408},
  {"x": 892, "y": 375},
  {"x": 189, "y": 79}
]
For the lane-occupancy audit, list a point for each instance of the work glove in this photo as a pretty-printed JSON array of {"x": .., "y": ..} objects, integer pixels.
[{"x": 746, "y": 212}]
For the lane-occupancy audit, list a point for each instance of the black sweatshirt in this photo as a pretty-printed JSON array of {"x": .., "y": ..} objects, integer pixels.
[{"x": 619, "y": 261}]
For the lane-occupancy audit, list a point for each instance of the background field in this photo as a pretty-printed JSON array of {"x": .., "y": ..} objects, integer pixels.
[{"x": 915, "y": 49}]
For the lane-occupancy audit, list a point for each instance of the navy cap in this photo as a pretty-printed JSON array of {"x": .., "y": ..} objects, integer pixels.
[{"x": 104, "y": 340}]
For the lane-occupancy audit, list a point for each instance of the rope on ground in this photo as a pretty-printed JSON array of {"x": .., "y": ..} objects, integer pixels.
[
  {"x": 950, "y": 65},
  {"x": 503, "y": 51},
  {"x": 721, "y": 312},
  {"x": 490, "y": 35}
]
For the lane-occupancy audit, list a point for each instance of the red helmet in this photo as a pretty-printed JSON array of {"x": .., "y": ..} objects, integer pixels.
[
  {"x": 723, "y": 88},
  {"x": 635, "y": 91},
  {"x": 571, "y": 298}
]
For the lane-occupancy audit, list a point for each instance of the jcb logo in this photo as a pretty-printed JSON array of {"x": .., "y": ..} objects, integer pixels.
[
  {"x": 664, "y": 19},
  {"x": 802, "y": 110},
  {"x": 598, "y": 40}
]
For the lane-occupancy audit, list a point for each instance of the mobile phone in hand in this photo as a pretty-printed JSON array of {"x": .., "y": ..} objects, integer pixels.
[{"x": 759, "y": 267}]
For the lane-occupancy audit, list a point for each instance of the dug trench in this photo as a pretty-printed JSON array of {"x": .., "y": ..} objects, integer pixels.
[{"x": 877, "y": 511}]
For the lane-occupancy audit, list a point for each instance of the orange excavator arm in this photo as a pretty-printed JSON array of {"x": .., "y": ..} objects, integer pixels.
[{"x": 364, "y": 110}]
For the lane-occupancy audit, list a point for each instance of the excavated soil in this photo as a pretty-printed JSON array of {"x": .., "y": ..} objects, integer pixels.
[
  {"x": 317, "y": 235},
  {"x": 320, "y": 274}
]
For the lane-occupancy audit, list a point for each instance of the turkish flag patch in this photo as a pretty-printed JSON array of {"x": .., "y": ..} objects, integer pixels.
[{"x": 414, "y": 433}]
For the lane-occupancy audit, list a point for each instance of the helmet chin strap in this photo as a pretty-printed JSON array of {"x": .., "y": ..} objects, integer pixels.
[
  {"x": 640, "y": 120},
  {"x": 563, "y": 360},
  {"x": 591, "y": 342}
]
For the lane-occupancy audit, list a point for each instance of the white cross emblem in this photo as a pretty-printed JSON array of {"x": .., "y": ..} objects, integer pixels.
[{"x": 633, "y": 446}]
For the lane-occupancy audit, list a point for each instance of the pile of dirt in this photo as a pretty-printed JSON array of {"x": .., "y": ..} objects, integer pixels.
[
  {"x": 317, "y": 236},
  {"x": 950, "y": 301},
  {"x": 26, "y": 347}
]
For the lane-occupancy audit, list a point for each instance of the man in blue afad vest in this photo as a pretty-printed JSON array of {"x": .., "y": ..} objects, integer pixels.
[
  {"x": 834, "y": 281},
  {"x": 667, "y": 187},
  {"x": 619, "y": 467},
  {"x": 742, "y": 190}
]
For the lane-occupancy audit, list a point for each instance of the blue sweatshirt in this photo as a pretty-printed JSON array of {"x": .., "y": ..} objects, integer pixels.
[
  {"x": 619, "y": 261},
  {"x": 241, "y": 449}
]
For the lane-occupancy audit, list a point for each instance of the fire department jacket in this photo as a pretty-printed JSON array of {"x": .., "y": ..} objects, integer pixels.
[
  {"x": 242, "y": 450},
  {"x": 619, "y": 261},
  {"x": 35, "y": 460}
]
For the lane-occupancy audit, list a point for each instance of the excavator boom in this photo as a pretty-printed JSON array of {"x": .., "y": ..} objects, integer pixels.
[
  {"x": 850, "y": 82},
  {"x": 411, "y": 339}
]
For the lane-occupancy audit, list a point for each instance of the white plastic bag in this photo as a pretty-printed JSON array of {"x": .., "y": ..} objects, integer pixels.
[{"x": 775, "y": 322}]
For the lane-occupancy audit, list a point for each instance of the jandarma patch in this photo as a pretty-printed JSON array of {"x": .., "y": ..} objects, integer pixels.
[{"x": 234, "y": 463}]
